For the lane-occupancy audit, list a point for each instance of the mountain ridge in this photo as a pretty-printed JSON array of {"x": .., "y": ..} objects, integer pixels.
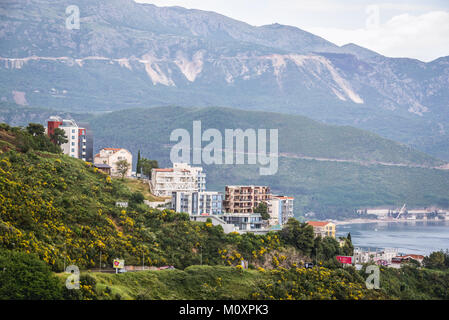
[{"x": 154, "y": 56}]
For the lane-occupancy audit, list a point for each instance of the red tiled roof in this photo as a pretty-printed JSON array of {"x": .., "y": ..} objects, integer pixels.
[
  {"x": 164, "y": 170},
  {"x": 318, "y": 223},
  {"x": 413, "y": 256}
]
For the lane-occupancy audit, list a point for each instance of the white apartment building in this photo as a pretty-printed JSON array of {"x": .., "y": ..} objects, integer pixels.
[
  {"x": 198, "y": 203},
  {"x": 76, "y": 136},
  {"x": 280, "y": 209},
  {"x": 181, "y": 178},
  {"x": 245, "y": 222},
  {"x": 111, "y": 156}
]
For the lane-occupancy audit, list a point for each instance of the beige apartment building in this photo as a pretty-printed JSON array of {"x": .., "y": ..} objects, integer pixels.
[
  {"x": 243, "y": 199},
  {"x": 111, "y": 156}
]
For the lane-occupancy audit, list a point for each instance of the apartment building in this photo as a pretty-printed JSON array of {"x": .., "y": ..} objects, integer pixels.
[
  {"x": 243, "y": 199},
  {"x": 280, "y": 209},
  {"x": 323, "y": 228},
  {"x": 383, "y": 256},
  {"x": 181, "y": 178},
  {"x": 245, "y": 222},
  {"x": 76, "y": 146},
  {"x": 198, "y": 203},
  {"x": 111, "y": 156}
]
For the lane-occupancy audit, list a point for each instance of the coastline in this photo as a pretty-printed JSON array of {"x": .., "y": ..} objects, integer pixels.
[{"x": 362, "y": 221}]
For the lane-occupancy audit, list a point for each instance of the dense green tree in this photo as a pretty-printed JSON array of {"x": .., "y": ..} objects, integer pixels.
[
  {"x": 300, "y": 235},
  {"x": 348, "y": 248},
  {"x": 59, "y": 137},
  {"x": 137, "y": 197},
  {"x": 24, "y": 277},
  {"x": 262, "y": 208},
  {"x": 138, "y": 166},
  {"x": 35, "y": 129},
  {"x": 147, "y": 165},
  {"x": 436, "y": 260}
]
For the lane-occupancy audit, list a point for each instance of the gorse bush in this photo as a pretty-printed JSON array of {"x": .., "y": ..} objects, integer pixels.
[
  {"x": 26, "y": 277},
  {"x": 312, "y": 284}
]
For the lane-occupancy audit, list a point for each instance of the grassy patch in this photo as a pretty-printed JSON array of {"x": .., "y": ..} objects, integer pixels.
[{"x": 142, "y": 187}]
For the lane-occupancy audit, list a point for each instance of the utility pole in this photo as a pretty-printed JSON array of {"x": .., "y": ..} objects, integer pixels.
[
  {"x": 100, "y": 261},
  {"x": 143, "y": 261},
  {"x": 65, "y": 254},
  {"x": 201, "y": 247}
]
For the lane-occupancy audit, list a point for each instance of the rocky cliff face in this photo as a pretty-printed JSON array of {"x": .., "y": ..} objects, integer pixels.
[{"x": 127, "y": 54}]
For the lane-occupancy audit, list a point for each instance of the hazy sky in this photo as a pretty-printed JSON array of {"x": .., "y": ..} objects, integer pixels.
[{"x": 414, "y": 28}]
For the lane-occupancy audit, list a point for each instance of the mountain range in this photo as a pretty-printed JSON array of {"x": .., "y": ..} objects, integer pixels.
[{"x": 127, "y": 55}]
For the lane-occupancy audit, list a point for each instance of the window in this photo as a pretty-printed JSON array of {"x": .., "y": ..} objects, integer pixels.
[
  {"x": 73, "y": 143},
  {"x": 73, "y": 150},
  {"x": 73, "y": 130}
]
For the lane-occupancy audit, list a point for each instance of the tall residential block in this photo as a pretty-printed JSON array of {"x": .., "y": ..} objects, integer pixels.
[
  {"x": 76, "y": 146},
  {"x": 243, "y": 199}
]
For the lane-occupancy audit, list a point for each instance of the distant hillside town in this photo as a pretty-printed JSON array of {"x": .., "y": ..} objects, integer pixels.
[{"x": 182, "y": 188}]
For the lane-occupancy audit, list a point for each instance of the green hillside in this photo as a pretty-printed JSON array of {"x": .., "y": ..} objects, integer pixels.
[
  {"x": 56, "y": 211},
  {"x": 298, "y": 135},
  {"x": 63, "y": 210},
  {"x": 226, "y": 283}
]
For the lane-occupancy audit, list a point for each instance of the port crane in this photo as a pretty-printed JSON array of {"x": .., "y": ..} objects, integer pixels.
[{"x": 401, "y": 212}]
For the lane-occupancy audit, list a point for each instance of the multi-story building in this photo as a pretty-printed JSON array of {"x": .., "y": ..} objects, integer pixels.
[
  {"x": 398, "y": 261},
  {"x": 323, "y": 228},
  {"x": 76, "y": 146},
  {"x": 383, "y": 256},
  {"x": 280, "y": 209},
  {"x": 198, "y": 203},
  {"x": 243, "y": 199},
  {"x": 245, "y": 222},
  {"x": 180, "y": 178},
  {"x": 111, "y": 156}
]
